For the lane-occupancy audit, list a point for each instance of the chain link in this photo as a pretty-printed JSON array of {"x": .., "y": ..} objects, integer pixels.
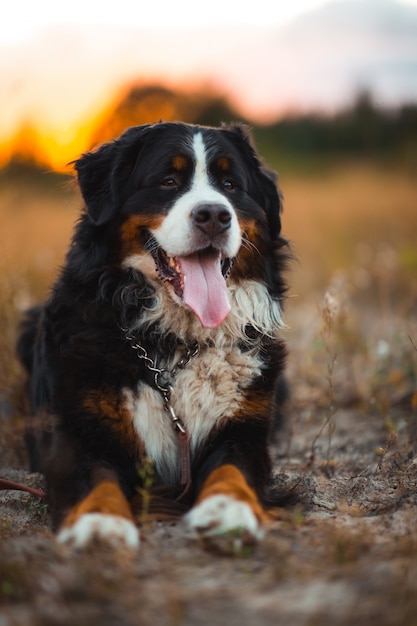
[{"x": 162, "y": 375}]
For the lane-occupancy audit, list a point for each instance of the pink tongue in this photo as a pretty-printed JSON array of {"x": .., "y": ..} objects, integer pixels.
[{"x": 205, "y": 289}]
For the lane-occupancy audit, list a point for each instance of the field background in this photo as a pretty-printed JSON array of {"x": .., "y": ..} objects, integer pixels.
[{"x": 345, "y": 548}]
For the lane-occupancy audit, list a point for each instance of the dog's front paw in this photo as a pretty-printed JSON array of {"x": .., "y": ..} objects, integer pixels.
[
  {"x": 224, "y": 524},
  {"x": 109, "y": 529}
]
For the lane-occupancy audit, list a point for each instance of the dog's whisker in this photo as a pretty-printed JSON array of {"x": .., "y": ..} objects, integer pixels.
[
  {"x": 246, "y": 243},
  {"x": 151, "y": 245}
]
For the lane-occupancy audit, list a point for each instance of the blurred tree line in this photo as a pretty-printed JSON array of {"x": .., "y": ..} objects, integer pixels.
[
  {"x": 153, "y": 103},
  {"x": 363, "y": 129}
]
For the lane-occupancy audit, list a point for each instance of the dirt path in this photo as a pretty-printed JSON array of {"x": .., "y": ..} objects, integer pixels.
[{"x": 345, "y": 551}]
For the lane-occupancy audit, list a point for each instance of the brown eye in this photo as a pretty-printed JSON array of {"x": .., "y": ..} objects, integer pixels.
[
  {"x": 169, "y": 181},
  {"x": 228, "y": 185}
]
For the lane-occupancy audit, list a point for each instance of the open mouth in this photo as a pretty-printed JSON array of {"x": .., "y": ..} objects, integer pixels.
[{"x": 199, "y": 279}]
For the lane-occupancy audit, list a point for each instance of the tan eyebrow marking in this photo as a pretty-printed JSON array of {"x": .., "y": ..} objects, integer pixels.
[
  {"x": 179, "y": 162},
  {"x": 223, "y": 164}
]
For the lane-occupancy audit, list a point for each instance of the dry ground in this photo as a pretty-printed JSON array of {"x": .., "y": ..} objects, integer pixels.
[{"x": 345, "y": 549}]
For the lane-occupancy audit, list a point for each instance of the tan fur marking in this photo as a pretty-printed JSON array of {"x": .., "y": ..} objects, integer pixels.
[
  {"x": 179, "y": 162},
  {"x": 113, "y": 409},
  {"x": 223, "y": 164},
  {"x": 250, "y": 228},
  {"x": 228, "y": 480},
  {"x": 130, "y": 231},
  {"x": 107, "y": 498},
  {"x": 255, "y": 405},
  {"x": 250, "y": 254}
]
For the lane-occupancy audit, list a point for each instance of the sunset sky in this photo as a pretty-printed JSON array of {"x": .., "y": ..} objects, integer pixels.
[{"x": 62, "y": 64}]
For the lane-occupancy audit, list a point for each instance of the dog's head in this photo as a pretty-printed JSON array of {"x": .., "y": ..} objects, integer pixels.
[{"x": 192, "y": 206}]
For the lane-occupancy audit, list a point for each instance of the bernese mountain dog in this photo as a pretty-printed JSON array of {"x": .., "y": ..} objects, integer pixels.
[{"x": 156, "y": 359}]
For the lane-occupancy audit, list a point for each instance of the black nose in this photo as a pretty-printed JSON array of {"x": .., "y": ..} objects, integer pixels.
[{"x": 211, "y": 218}]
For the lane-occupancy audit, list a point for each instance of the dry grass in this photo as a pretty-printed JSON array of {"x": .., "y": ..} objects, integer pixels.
[
  {"x": 358, "y": 219},
  {"x": 36, "y": 223},
  {"x": 354, "y": 232},
  {"x": 347, "y": 552}
]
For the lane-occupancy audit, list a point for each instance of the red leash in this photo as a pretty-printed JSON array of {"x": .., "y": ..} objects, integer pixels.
[{"x": 9, "y": 484}]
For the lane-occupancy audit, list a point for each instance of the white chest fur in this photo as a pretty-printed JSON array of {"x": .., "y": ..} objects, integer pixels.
[{"x": 207, "y": 391}]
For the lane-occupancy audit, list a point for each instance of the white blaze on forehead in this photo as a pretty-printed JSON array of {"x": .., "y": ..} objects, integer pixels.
[
  {"x": 175, "y": 233},
  {"x": 200, "y": 175}
]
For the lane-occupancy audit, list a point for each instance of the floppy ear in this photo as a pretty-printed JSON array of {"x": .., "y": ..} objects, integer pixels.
[
  {"x": 267, "y": 193},
  {"x": 95, "y": 172},
  {"x": 103, "y": 174},
  {"x": 272, "y": 199}
]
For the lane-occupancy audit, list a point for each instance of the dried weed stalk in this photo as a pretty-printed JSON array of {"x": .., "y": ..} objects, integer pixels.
[
  {"x": 147, "y": 476},
  {"x": 330, "y": 312}
]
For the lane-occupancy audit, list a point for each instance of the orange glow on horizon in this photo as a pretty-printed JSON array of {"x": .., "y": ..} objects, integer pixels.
[
  {"x": 55, "y": 147},
  {"x": 44, "y": 147},
  {"x": 48, "y": 146}
]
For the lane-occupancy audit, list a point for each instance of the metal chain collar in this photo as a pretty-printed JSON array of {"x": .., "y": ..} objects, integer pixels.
[{"x": 163, "y": 376}]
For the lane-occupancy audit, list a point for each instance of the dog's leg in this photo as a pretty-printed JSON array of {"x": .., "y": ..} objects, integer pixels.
[
  {"x": 104, "y": 514},
  {"x": 231, "y": 480},
  {"x": 227, "y": 514}
]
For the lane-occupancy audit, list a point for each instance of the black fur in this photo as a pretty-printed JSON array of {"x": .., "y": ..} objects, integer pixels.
[{"x": 75, "y": 343}]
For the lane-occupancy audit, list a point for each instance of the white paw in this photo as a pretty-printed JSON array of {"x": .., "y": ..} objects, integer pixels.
[
  {"x": 111, "y": 529},
  {"x": 223, "y": 518}
]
